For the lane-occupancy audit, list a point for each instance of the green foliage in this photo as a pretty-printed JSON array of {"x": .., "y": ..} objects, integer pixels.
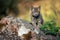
[
  {"x": 50, "y": 28},
  {"x": 5, "y": 3},
  {"x": 7, "y": 6}
]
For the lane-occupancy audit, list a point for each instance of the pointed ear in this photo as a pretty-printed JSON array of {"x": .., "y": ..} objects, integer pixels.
[
  {"x": 31, "y": 7},
  {"x": 39, "y": 7}
]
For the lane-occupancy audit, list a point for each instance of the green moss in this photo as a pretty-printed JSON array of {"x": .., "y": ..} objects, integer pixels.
[{"x": 50, "y": 27}]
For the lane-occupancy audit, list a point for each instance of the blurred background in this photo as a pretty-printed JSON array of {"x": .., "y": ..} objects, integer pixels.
[{"x": 50, "y": 9}]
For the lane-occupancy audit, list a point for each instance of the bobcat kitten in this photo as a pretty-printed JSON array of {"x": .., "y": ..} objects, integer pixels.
[{"x": 36, "y": 16}]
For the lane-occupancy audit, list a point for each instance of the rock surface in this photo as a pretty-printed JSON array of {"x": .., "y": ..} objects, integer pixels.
[{"x": 12, "y": 28}]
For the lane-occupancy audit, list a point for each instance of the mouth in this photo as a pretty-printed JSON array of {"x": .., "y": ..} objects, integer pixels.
[{"x": 35, "y": 14}]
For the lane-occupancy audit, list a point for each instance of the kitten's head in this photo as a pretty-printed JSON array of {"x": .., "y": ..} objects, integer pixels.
[{"x": 35, "y": 10}]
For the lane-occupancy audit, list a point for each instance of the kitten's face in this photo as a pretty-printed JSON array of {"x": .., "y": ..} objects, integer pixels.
[{"x": 35, "y": 10}]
